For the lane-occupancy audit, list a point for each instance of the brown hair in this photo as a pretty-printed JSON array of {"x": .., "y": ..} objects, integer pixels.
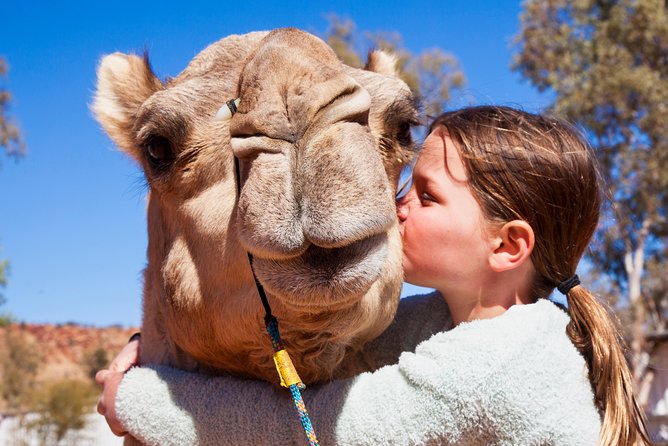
[{"x": 539, "y": 169}]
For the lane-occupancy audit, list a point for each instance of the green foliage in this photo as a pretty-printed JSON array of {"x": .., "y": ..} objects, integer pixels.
[
  {"x": 4, "y": 267},
  {"x": 11, "y": 142},
  {"x": 434, "y": 74},
  {"x": 62, "y": 407},
  {"x": 94, "y": 361},
  {"x": 10, "y": 137},
  {"x": 19, "y": 365},
  {"x": 341, "y": 36},
  {"x": 606, "y": 62},
  {"x": 6, "y": 319}
]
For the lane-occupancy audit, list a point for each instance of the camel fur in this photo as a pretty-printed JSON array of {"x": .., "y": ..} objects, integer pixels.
[{"x": 320, "y": 146}]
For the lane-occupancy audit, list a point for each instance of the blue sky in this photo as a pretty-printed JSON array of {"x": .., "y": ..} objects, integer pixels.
[{"x": 72, "y": 218}]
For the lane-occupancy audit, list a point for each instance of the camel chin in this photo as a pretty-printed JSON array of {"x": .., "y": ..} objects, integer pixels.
[{"x": 326, "y": 278}]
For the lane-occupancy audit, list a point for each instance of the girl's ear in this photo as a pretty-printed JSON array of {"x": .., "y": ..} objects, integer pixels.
[{"x": 512, "y": 246}]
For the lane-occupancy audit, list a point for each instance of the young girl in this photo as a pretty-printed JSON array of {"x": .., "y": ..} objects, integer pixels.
[{"x": 502, "y": 207}]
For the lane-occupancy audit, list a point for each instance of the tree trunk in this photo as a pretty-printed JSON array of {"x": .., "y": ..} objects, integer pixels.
[{"x": 634, "y": 263}]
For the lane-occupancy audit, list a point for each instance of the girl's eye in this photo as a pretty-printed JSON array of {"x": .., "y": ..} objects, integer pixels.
[{"x": 425, "y": 197}]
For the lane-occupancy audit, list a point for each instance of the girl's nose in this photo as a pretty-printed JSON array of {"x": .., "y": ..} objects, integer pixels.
[{"x": 402, "y": 208}]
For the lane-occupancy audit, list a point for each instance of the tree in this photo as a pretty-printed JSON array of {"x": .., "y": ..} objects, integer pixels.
[
  {"x": 62, "y": 407},
  {"x": 11, "y": 142},
  {"x": 19, "y": 365},
  {"x": 433, "y": 74},
  {"x": 341, "y": 37},
  {"x": 606, "y": 62},
  {"x": 10, "y": 137},
  {"x": 94, "y": 361},
  {"x": 4, "y": 264}
]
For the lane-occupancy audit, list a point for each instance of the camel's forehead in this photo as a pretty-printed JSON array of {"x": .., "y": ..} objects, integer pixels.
[
  {"x": 228, "y": 53},
  {"x": 216, "y": 75},
  {"x": 225, "y": 59},
  {"x": 234, "y": 50}
]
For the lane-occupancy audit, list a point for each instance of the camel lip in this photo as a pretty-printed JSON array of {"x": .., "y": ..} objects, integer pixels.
[{"x": 325, "y": 277}]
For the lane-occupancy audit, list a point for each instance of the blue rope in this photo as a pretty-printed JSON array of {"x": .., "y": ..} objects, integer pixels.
[
  {"x": 303, "y": 415},
  {"x": 272, "y": 329}
]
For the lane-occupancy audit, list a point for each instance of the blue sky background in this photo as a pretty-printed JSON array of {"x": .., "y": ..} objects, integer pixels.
[{"x": 72, "y": 218}]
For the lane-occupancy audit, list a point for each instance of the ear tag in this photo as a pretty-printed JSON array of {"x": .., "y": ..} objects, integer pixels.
[{"x": 227, "y": 110}]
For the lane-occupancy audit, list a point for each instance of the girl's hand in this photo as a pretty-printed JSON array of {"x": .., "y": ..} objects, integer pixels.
[{"x": 110, "y": 379}]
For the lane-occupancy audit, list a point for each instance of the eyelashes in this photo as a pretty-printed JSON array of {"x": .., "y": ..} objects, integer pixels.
[{"x": 426, "y": 197}]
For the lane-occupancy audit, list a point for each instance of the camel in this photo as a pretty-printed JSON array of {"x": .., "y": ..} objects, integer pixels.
[{"x": 320, "y": 147}]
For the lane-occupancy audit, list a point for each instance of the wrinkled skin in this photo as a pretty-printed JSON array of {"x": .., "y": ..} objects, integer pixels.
[{"x": 320, "y": 147}]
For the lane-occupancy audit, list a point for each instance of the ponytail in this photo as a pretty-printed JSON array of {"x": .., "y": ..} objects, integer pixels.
[{"x": 594, "y": 334}]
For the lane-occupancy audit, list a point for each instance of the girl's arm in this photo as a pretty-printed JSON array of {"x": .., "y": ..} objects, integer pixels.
[
  {"x": 514, "y": 379},
  {"x": 167, "y": 406}
]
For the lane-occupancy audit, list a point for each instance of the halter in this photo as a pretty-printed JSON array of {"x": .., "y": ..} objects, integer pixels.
[{"x": 286, "y": 370}]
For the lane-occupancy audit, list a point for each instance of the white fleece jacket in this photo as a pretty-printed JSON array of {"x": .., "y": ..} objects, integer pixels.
[{"x": 512, "y": 380}]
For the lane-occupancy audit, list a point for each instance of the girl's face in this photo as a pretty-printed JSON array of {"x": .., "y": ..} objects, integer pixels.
[{"x": 442, "y": 226}]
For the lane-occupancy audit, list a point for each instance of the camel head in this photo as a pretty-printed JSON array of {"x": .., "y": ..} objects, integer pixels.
[{"x": 319, "y": 145}]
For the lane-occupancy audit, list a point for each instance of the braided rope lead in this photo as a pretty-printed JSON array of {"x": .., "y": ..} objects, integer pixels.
[
  {"x": 290, "y": 379},
  {"x": 303, "y": 415}
]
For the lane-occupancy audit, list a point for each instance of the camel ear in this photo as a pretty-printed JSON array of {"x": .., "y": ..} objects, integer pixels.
[
  {"x": 382, "y": 62},
  {"x": 124, "y": 82}
]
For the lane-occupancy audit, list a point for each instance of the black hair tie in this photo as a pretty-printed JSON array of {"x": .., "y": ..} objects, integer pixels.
[{"x": 565, "y": 286}]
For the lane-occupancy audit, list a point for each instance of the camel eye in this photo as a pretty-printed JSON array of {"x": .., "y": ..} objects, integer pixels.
[
  {"x": 404, "y": 134},
  {"x": 158, "y": 151}
]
